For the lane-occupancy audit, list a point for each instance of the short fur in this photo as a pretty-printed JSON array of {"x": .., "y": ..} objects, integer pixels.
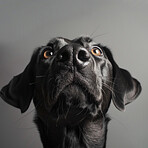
[{"x": 72, "y": 83}]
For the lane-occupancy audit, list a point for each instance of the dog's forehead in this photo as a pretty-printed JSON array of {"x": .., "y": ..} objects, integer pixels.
[{"x": 61, "y": 41}]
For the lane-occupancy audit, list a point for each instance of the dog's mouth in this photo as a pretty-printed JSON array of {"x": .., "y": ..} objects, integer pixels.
[
  {"x": 71, "y": 98},
  {"x": 74, "y": 104}
]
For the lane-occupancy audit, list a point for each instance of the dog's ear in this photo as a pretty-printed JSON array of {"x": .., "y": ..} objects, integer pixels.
[
  {"x": 125, "y": 88},
  {"x": 19, "y": 91}
]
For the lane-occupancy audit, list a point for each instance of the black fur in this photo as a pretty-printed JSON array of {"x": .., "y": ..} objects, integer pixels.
[{"x": 72, "y": 83}]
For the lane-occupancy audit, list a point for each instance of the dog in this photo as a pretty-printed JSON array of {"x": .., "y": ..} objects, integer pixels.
[{"x": 72, "y": 83}]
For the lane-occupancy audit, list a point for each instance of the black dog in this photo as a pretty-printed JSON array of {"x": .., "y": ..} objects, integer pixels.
[{"x": 72, "y": 83}]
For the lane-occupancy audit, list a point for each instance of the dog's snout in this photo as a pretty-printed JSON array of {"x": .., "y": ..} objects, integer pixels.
[{"x": 73, "y": 55}]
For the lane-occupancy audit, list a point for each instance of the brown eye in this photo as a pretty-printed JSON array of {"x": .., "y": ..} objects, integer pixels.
[
  {"x": 48, "y": 54},
  {"x": 96, "y": 51}
]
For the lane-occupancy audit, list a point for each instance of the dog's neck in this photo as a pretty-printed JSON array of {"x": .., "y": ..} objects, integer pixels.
[{"x": 91, "y": 134}]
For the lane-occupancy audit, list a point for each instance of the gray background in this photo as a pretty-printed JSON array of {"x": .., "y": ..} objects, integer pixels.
[{"x": 122, "y": 25}]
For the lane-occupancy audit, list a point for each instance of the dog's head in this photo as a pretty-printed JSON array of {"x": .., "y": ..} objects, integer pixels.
[{"x": 70, "y": 80}]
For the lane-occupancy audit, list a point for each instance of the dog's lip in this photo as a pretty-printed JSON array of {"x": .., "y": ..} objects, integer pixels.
[
  {"x": 83, "y": 106},
  {"x": 84, "y": 88}
]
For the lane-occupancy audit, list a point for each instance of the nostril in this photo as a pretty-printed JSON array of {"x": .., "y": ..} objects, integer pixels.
[
  {"x": 64, "y": 56},
  {"x": 83, "y": 56}
]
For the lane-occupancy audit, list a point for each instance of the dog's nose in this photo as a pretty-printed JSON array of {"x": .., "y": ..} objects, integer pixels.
[{"x": 74, "y": 55}]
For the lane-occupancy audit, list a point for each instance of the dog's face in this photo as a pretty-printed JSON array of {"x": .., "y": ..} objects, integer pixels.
[
  {"x": 73, "y": 76},
  {"x": 70, "y": 80}
]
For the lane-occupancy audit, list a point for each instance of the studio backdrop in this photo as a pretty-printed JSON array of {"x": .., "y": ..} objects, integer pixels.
[{"x": 120, "y": 25}]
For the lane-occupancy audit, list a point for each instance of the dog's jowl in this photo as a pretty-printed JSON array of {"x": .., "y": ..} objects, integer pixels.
[{"x": 72, "y": 83}]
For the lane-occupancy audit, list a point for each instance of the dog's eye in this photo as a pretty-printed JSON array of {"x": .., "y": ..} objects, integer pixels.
[
  {"x": 48, "y": 54},
  {"x": 96, "y": 51}
]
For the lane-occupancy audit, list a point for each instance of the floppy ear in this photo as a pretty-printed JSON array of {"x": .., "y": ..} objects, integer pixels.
[
  {"x": 126, "y": 88},
  {"x": 18, "y": 92}
]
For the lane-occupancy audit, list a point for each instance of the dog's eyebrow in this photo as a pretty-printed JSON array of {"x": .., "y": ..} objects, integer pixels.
[
  {"x": 83, "y": 39},
  {"x": 65, "y": 39},
  {"x": 59, "y": 42}
]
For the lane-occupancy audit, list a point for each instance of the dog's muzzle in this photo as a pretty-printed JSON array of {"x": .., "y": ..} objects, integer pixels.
[{"x": 72, "y": 84}]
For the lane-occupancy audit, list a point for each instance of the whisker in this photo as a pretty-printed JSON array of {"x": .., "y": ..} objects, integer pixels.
[
  {"x": 108, "y": 80},
  {"x": 111, "y": 89},
  {"x": 67, "y": 112},
  {"x": 94, "y": 31},
  {"x": 108, "y": 87},
  {"x": 101, "y": 88},
  {"x": 103, "y": 91},
  {"x": 80, "y": 112},
  {"x": 84, "y": 114},
  {"x": 99, "y": 35},
  {"x": 42, "y": 76}
]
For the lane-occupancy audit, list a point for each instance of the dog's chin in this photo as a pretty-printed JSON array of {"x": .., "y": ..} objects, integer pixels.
[{"x": 74, "y": 104}]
